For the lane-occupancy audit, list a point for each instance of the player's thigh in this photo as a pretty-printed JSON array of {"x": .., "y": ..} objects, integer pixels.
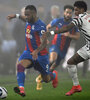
[
  {"x": 53, "y": 56},
  {"x": 75, "y": 59},
  {"x": 25, "y": 59},
  {"x": 25, "y": 62}
]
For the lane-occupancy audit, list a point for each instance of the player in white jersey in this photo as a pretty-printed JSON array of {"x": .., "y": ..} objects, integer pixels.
[{"x": 83, "y": 23}]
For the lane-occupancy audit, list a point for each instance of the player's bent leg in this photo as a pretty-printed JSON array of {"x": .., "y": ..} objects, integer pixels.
[
  {"x": 52, "y": 59},
  {"x": 43, "y": 68},
  {"x": 53, "y": 66},
  {"x": 21, "y": 76},
  {"x": 53, "y": 56},
  {"x": 73, "y": 61},
  {"x": 25, "y": 63},
  {"x": 55, "y": 63},
  {"x": 39, "y": 82}
]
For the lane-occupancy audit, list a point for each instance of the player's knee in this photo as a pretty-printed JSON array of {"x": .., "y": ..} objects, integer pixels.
[
  {"x": 46, "y": 80},
  {"x": 20, "y": 68},
  {"x": 71, "y": 62}
]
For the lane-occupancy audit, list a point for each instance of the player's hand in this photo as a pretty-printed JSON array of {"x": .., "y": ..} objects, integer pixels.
[
  {"x": 34, "y": 54},
  {"x": 46, "y": 35},
  {"x": 66, "y": 34},
  {"x": 9, "y": 17}
]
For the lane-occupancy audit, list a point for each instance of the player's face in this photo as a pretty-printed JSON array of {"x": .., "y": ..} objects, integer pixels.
[
  {"x": 30, "y": 15},
  {"x": 77, "y": 11},
  {"x": 68, "y": 14}
]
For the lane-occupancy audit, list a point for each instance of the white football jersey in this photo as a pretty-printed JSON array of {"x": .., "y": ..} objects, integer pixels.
[{"x": 83, "y": 23}]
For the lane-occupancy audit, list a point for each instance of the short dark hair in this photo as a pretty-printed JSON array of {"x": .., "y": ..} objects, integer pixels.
[
  {"x": 81, "y": 4},
  {"x": 68, "y": 7},
  {"x": 31, "y": 7}
]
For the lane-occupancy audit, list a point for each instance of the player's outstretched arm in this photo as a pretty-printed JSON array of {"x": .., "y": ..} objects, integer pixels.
[
  {"x": 10, "y": 17},
  {"x": 75, "y": 36},
  {"x": 64, "y": 29},
  {"x": 61, "y": 30}
]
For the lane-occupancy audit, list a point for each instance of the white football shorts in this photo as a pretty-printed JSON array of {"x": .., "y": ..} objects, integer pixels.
[{"x": 84, "y": 52}]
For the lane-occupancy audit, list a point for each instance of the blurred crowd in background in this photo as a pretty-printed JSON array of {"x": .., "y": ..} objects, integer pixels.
[{"x": 12, "y": 40}]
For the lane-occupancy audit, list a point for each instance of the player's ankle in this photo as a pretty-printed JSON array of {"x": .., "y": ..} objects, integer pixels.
[{"x": 21, "y": 88}]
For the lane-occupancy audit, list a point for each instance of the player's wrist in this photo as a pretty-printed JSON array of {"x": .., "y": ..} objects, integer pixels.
[
  {"x": 52, "y": 32},
  {"x": 17, "y": 15}
]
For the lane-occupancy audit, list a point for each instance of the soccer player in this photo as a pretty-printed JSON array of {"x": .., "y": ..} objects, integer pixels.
[
  {"x": 55, "y": 11},
  {"x": 83, "y": 23},
  {"x": 60, "y": 42},
  {"x": 35, "y": 54}
]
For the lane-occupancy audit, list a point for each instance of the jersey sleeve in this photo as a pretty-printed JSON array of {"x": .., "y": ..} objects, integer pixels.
[
  {"x": 77, "y": 22},
  {"x": 54, "y": 22},
  {"x": 42, "y": 30}
]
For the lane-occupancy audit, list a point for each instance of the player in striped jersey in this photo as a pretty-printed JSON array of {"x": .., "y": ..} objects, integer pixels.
[
  {"x": 35, "y": 53},
  {"x": 83, "y": 23}
]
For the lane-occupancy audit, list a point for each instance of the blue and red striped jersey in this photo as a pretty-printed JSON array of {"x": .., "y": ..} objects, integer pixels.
[
  {"x": 33, "y": 32},
  {"x": 61, "y": 41}
]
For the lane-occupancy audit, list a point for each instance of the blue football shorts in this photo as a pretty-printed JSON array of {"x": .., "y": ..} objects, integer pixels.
[{"x": 41, "y": 64}]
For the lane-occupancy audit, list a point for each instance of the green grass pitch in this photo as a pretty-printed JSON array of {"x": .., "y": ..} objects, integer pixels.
[{"x": 48, "y": 92}]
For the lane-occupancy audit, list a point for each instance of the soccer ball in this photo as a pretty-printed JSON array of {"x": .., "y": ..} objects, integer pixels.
[{"x": 3, "y": 92}]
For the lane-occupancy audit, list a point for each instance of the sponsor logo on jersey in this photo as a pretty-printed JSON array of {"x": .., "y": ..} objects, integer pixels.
[
  {"x": 28, "y": 29},
  {"x": 29, "y": 36}
]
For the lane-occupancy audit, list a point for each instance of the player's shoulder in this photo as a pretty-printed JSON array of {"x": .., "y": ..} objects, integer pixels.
[
  {"x": 57, "y": 19},
  {"x": 41, "y": 23},
  {"x": 83, "y": 15},
  {"x": 61, "y": 18}
]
